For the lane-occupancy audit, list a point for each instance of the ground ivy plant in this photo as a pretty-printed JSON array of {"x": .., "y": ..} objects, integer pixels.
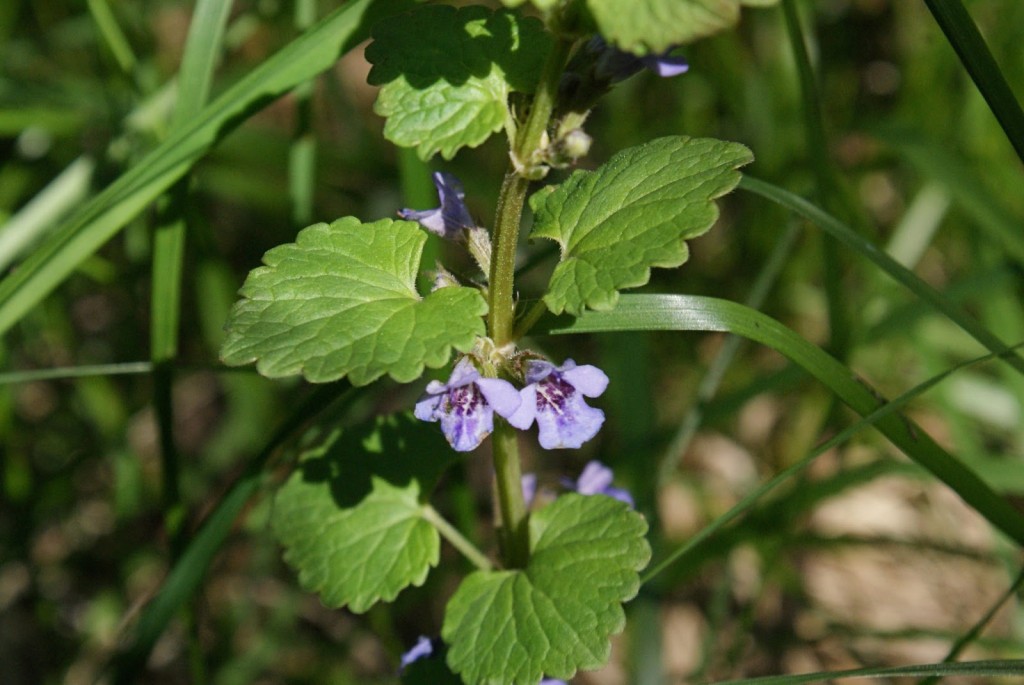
[{"x": 342, "y": 302}]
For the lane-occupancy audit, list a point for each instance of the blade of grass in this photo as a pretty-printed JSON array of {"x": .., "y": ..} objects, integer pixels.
[
  {"x": 112, "y": 35},
  {"x": 975, "y": 630},
  {"x": 976, "y": 669},
  {"x": 40, "y": 213},
  {"x": 101, "y": 218},
  {"x": 302, "y": 153},
  {"x": 694, "y": 313},
  {"x": 826, "y": 180},
  {"x": 961, "y": 180},
  {"x": 970, "y": 47},
  {"x": 901, "y": 275},
  {"x": 198, "y": 63},
  {"x": 711, "y": 381},
  {"x": 65, "y": 372}
]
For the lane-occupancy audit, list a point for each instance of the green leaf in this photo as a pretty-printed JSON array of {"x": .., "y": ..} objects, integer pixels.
[
  {"x": 350, "y": 517},
  {"x": 632, "y": 214},
  {"x": 341, "y": 301},
  {"x": 439, "y": 104},
  {"x": 657, "y": 25},
  {"x": 556, "y": 615}
]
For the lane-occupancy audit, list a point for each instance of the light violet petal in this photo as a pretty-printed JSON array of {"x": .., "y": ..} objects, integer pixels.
[
  {"x": 569, "y": 428},
  {"x": 588, "y": 380},
  {"x": 426, "y": 408},
  {"x": 537, "y": 370},
  {"x": 619, "y": 494},
  {"x": 463, "y": 373},
  {"x": 522, "y": 418},
  {"x": 501, "y": 395},
  {"x": 422, "y": 649},
  {"x": 594, "y": 478},
  {"x": 666, "y": 65},
  {"x": 436, "y": 387},
  {"x": 466, "y": 432}
]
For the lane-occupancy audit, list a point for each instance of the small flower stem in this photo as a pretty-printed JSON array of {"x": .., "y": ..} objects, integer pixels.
[
  {"x": 515, "y": 536},
  {"x": 456, "y": 539}
]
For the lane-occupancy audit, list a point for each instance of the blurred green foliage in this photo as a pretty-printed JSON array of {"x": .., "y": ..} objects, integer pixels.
[{"x": 922, "y": 169}]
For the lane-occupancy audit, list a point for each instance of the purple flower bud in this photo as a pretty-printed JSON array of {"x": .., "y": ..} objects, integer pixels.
[
  {"x": 614, "y": 65},
  {"x": 596, "y": 479},
  {"x": 452, "y": 217},
  {"x": 553, "y": 397},
  {"x": 421, "y": 650},
  {"x": 465, "y": 405}
]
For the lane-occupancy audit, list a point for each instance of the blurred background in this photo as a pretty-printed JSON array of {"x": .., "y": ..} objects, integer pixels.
[{"x": 862, "y": 560}]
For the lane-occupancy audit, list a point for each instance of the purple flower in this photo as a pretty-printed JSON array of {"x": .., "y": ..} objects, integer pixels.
[
  {"x": 553, "y": 397},
  {"x": 614, "y": 65},
  {"x": 596, "y": 479},
  {"x": 552, "y": 681},
  {"x": 421, "y": 650},
  {"x": 465, "y": 405},
  {"x": 452, "y": 217}
]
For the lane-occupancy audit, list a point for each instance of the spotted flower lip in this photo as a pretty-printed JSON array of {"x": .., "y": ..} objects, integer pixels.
[
  {"x": 553, "y": 397},
  {"x": 465, "y": 405},
  {"x": 452, "y": 217}
]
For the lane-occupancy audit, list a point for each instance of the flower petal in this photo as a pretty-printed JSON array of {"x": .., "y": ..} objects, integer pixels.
[
  {"x": 571, "y": 427},
  {"x": 594, "y": 479},
  {"x": 587, "y": 379},
  {"x": 501, "y": 395},
  {"x": 422, "y": 649},
  {"x": 523, "y": 417}
]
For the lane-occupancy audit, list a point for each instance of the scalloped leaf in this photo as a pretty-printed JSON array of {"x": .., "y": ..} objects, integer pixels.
[
  {"x": 658, "y": 25},
  {"x": 451, "y": 91},
  {"x": 631, "y": 214},
  {"x": 556, "y": 615},
  {"x": 341, "y": 301},
  {"x": 349, "y": 516}
]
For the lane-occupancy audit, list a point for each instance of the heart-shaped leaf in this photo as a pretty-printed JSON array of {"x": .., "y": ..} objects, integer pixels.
[
  {"x": 451, "y": 91},
  {"x": 341, "y": 301},
  {"x": 556, "y": 615},
  {"x": 350, "y": 515},
  {"x": 631, "y": 214}
]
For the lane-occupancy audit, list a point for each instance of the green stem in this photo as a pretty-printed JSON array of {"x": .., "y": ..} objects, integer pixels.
[
  {"x": 457, "y": 539},
  {"x": 526, "y": 153},
  {"x": 501, "y": 287},
  {"x": 514, "y": 532}
]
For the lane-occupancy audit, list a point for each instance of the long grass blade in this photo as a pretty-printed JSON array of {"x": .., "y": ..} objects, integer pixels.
[
  {"x": 974, "y": 669},
  {"x": 101, "y": 218},
  {"x": 894, "y": 269},
  {"x": 963, "y": 34},
  {"x": 695, "y": 313}
]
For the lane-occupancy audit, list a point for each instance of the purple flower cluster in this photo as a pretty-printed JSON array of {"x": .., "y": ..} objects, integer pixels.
[{"x": 553, "y": 398}]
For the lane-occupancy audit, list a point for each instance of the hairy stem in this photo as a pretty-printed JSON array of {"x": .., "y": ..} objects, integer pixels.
[
  {"x": 526, "y": 153},
  {"x": 514, "y": 532}
]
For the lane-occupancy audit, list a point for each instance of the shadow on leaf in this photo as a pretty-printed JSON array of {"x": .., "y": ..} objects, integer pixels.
[{"x": 395, "y": 448}]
